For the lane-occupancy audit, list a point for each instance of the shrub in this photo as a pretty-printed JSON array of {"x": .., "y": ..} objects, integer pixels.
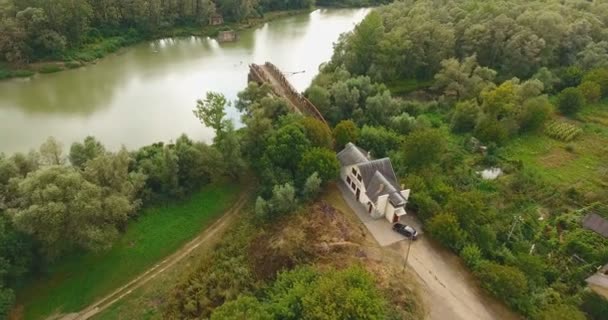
[
  {"x": 445, "y": 228},
  {"x": 599, "y": 76},
  {"x": 73, "y": 64},
  {"x": 561, "y": 312},
  {"x": 591, "y": 91},
  {"x": 50, "y": 69},
  {"x": 345, "y": 131},
  {"x": 562, "y": 131},
  {"x": 490, "y": 130},
  {"x": 535, "y": 112},
  {"x": 465, "y": 116},
  {"x": 22, "y": 73},
  {"x": 570, "y": 101},
  {"x": 571, "y": 76},
  {"x": 594, "y": 305},
  {"x": 505, "y": 282},
  {"x": 471, "y": 256}
]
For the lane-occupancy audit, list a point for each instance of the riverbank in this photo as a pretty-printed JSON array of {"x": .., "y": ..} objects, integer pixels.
[
  {"x": 78, "y": 280},
  {"x": 91, "y": 53}
]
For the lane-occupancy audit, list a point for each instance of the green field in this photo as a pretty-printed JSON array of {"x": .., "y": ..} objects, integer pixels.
[
  {"x": 579, "y": 163},
  {"x": 78, "y": 280}
]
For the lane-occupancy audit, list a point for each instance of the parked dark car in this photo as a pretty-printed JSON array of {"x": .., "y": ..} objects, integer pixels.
[{"x": 406, "y": 230}]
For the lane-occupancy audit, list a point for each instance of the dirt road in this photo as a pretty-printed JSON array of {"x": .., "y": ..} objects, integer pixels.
[
  {"x": 161, "y": 267},
  {"x": 450, "y": 291}
]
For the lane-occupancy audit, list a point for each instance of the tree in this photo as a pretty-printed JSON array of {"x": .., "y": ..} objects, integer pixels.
[
  {"x": 535, "y": 112},
  {"x": 321, "y": 161},
  {"x": 364, "y": 41},
  {"x": 211, "y": 111},
  {"x": 319, "y": 97},
  {"x": 570, "y": 101},
  {"x": 286, "y": 146},
  {"x": 63, "y": 211},
  {"x": 464, "y": 80},
  {"x": 317, "y": 132},
  {"x": 345, "y": 131},
  {"x": 444, "y": 227},
  {"x": 591, "y": 91},
  {"x": 80, "y": 153},
  {"x": 312, "y": 186},
  {"x": 465, "y": 116},
  {"x": 599, "y": 76},
  {"x": 490, "y": 130},
  {"x": 7, "y": 298},
  {"x": 51, "y": 152},
  {"x": 378, "y": 140},
  {"x": 424, "y": 148},
  {"x": 283, "y": 199}
]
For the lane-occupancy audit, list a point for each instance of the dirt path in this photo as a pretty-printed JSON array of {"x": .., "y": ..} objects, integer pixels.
[
  {"x": 207, "y": 234},
  {"x": 450, "y": 290}
]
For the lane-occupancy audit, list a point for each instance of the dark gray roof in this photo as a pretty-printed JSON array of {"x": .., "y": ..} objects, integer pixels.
[
  {"x": 600, "y": 278},
  {"x": 379, "y": 179},
  {"x": 596, "y": 223},
  {"x": 352, "y": 155}
]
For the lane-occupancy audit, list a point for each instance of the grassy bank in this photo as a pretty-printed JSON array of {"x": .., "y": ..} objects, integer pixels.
[
  {"x": 78, "y": 280},
  {"x": 102, "y": 47}
]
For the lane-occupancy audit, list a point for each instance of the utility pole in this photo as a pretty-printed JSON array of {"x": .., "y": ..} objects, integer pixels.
[
  {"x": 407, "y": 255},
  {"x": 517, "y": 219}
]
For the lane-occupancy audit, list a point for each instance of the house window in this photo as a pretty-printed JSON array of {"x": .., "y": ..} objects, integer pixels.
[
  {"x": 348, "y": 180},
  {"x": 354, "y": 172},
  {"x": 352, "y": 185},
  {"x": 359, "y": 177}
]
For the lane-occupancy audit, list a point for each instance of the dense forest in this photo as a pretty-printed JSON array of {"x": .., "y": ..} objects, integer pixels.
[
  {"x": 448, "y": 88},
  {"x": 84, "y": 30}
]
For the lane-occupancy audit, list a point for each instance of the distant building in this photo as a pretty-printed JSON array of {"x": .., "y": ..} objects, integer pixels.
[
  {"x": 599, "y": 282},
  {"x": 596, "y": 223},
  {"x": 373, "y": 182},
  {"x": 216, "y": 20},
  {"x": 227, "y": 36}
]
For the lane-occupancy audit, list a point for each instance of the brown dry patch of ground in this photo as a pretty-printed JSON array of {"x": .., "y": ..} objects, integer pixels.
[
  {"x": 556, "y": 158},
  {"x": 320, "y": 234}
]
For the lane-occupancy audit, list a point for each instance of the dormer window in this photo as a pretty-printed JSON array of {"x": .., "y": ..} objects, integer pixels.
[{"x": 354, "y": 172}]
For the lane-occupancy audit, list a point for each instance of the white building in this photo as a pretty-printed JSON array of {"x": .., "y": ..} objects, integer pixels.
[{"x": 373, "y": 182}]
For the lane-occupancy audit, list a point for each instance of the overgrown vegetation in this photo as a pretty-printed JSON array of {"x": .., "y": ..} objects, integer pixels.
[
  {"x": 521, "y": 233},
  {"x": 302, "y": 266}
]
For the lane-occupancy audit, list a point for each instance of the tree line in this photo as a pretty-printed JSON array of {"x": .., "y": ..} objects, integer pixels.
[
  {"x": 33, "y": 30},
  {"x": 53, "y": 204}
]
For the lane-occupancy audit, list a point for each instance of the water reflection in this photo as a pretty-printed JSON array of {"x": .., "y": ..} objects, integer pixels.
[{"x": 146, "y": 93}]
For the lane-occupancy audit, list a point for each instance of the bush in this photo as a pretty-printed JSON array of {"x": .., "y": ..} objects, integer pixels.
[
  {"x": 445, "y": 228},
  {"x": 561, "y": 312},
  {"x": 73, "y": 64},
  {"x": 465, "y": 116},
  {"x": 599, "y": 76},
  {"x": 22, "y": 73},
  {"x": 571, "y": 77},
  {"x": 345, "y": 131},
  {"x": 570, "y": 101},
  {"x": 471, "y": 256},
  {"x": 505, "y": 282},
  {"x": 591, "y": 91},
  {"x": 50, "y": 69}
]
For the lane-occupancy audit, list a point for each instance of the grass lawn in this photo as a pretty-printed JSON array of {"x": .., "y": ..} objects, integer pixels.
[
  {"x": 581, "y": 162},
  {"x": 78, "y": 280}
]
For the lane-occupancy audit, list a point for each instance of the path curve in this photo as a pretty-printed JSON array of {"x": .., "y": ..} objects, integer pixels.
[{"x": 162, "y": 266}]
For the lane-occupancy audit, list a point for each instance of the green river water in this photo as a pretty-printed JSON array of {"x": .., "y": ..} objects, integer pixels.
[{"x": 146, "y": 93}]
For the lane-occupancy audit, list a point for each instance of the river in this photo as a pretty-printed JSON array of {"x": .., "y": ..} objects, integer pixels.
[{"x": 146, "y": 93}]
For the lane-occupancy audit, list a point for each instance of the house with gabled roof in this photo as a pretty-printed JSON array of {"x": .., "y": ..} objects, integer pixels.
[{"x": 373, "y": 182}]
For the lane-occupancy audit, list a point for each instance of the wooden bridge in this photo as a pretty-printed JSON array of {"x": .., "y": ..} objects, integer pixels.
[{"x": 269, "y": 73}]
